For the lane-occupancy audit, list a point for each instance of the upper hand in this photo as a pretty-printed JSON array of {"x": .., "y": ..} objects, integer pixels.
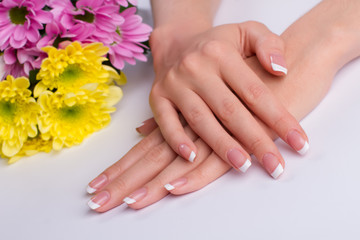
[{"x": 208, "y": 81}]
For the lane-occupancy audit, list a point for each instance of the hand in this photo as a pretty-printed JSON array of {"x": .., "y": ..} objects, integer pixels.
[
  {"x": 146, "y": 164},
  {"x": 205, "y": 83}
]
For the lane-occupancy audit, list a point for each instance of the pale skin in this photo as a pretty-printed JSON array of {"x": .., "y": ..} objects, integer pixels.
[
  {"x": 194, "y": 62},
  {"x": 321, "y": 42}
]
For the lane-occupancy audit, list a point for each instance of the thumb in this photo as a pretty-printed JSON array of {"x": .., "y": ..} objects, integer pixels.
[{"x": 268, "y": 47}]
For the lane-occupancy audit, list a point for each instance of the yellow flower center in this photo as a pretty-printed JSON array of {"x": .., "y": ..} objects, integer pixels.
[
  {"x": 18, "y": 15},
  {"x": 87, "y": 17},
  {"x": 71, "y": 74},
  {"x": 72, "y": 114},
  {"x": 7, "y": 110}
]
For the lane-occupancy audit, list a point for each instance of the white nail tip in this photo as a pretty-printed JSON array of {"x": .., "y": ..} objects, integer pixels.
[
  {"x": 90, "y": 190},
  {"x": 129, "y": 201},
  {"x": 278, "y": 171},
  {"x": 304, "y": 149},
  {"x": 278, "y": 68},
  {"x": 245, "y": 166},
  {"x": 192, "y": 156},
  {"x": 169, "y": 187},
  {"x": 93, "y": 205}
]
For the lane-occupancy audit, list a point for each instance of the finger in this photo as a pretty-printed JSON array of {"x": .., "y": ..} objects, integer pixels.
[
  {"x": 171, "y": 128},
  {"x": 208, "y": 171},
  {"x": 147, "y": 127},
  {"x": 155, "y": 188},
  {"x": 240, "y": 122},
  {"x": 138, "y": 174},
  {"x": 258, "y": 98},
  {"x": 206, "y": 126},
  {"x": 136, "y": 153},
  {"x": 268, "y": 47}
]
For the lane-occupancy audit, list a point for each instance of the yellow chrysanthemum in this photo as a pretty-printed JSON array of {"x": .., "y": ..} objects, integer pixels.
[
  {"x": 31, "y": 147},
  {"x": 68, "y": 118},
  {"x": 72, "y": 67},
  {"x": 18, "y": 114}
]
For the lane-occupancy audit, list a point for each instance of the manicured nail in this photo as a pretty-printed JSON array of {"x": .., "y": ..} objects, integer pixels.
[
  {"x": 135, "y": 196},
  {"x": 278, "y": 63},
  {"x": 187, "y": 153},
  {"x": 297, "y": 142},
  {"x": 96, "y": 184},
  {"x": 272, "y": 165},
  {"x": 238, "y": 160},
  {"x": 176, "y": 183},
  {"x": 99, "y": 200},
  {"x": 143, "y": 128}
]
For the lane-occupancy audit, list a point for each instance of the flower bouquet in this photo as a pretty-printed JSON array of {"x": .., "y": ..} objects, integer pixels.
[{"x": 63, "y": 64}]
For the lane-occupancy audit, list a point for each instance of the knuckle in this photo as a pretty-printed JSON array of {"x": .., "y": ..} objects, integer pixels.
[
  {"x": 251, "y": 24},
  {"x": 195, "y": 116},
  {"x": 254, "y": 93},
  {"x": 228, "y": 110},
  {"x": 155, "y": 155},
  {"x": 113, "y": 170},
  {"x": 170, "y": 79},
  {"x": 213, "y": 48},
  {"x": 145, "y": 145},
  {"x": 256, "y": 144},
  {"x": 280, "y": 122},
  {"x": 119, "y": 185},
  {"x": 189, "y": 63},
  {"x": 201, "y": 175}
]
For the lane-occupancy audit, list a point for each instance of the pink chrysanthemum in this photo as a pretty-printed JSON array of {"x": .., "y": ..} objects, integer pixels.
[
  {"x": 127, "y": 40},
  {"x": 124, "y": 3},
  {"x": 89, "y": 19},
  {"x": 19, "y": 62},
  {"x": 20, "y": 22}
]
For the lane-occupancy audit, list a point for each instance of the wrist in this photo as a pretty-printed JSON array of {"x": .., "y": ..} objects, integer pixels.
[{"x": 168, "y": 41}]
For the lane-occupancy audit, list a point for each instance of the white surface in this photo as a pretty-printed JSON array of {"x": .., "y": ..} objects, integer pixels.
[{"x": 317, "y": 197}]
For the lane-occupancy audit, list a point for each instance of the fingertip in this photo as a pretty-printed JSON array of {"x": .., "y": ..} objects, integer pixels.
[
  {"x": 175, "y": 185},
  {"x": 278, "y": 64},
  {"x": 147, "y": 127},
  {"x": 187, "y": 152}
]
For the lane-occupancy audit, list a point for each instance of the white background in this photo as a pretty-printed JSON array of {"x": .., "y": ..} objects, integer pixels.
[{"x": 43, "y": 197}]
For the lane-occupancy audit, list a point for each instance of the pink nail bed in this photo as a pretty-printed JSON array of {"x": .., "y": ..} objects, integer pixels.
[
  {"x": 272, "y": 165},
  {"x": 187, "y": 153},
  {"x": 278, "y": 63},
  {"x": 175, "y": 184},
  {"x": 136, "y": 196},
  {"x": 238, "y": 160},
  {"x": 99, "y": 200},
  {"x": 297, "y": 142},
  {"x": 97, "y": 183}
]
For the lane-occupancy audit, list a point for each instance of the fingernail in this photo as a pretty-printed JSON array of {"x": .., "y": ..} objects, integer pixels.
[
  {"x": 297, "y": 142},
  {"x": 99, "y": 200},
  {"x": 238, "y": 160},
  {"x": 176, "y": 183},
  {"x": 272, "y": 165},
  {"x": 96, "y": 184},
  {"x": 278, "y": 63},
  {"x": 142, "y": 129},
  {"x": 135, "y": 196},
  {"x": 187, "y": 153}
]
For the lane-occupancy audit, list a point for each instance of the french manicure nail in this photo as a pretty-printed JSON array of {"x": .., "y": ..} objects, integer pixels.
[
  {"x": 272, "y": 165},
  {"x": 96, "y": 184},
  {"x": 238, "y": 160},
  {"x": 99, "y": 200},
  {"x": 136, "y": 196},
  {"x": 278, "y": 63},
  {"x": 176, "y": 183},
  {"x": 297, "y": 142},
  {"x": 187, "y": 153}
]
